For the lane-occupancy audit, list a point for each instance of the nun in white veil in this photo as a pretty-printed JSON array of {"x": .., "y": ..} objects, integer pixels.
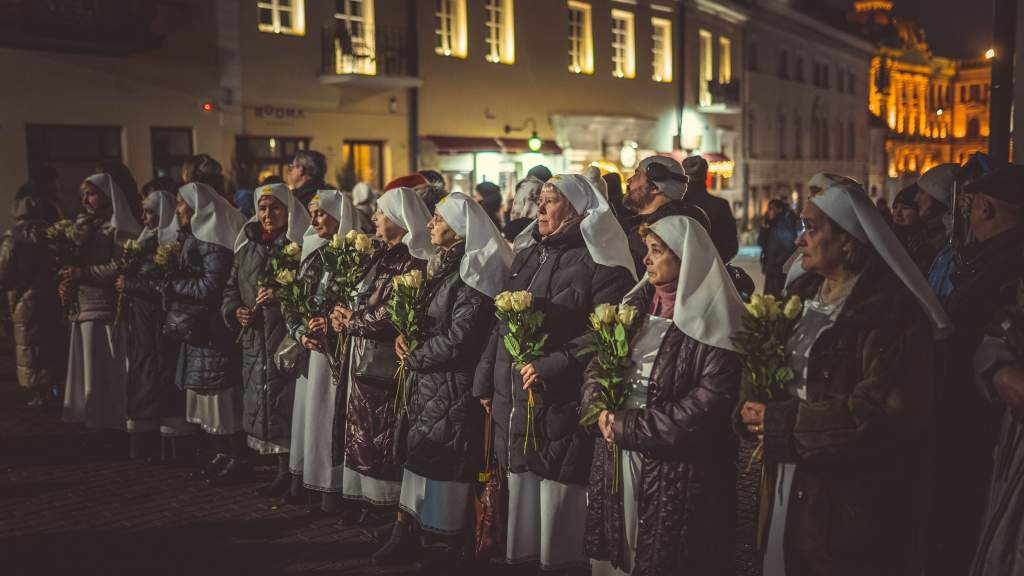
[
  {"x": 444, "y": 445},
  {"x": 208, "y": 365},
  {"x": 852, "y": 433},
  {"x": 250, "y": 310},
  {"x": 97, "y": 362},
  {"x": 317, "y": 396}
]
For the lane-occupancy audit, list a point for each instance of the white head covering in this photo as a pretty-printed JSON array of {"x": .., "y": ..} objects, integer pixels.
[
  {"x": 298, "y": 217},
  {"x": 593, "y": 175},
  {"x": 214, "y": 220},
  {"x": 708, "y": 308},
  {"x": 849, "y": 206},
  {"x": 362, "y": 194},
  {"x": 162, "y": 203},
  {"x": 406, "y": 209},
  {"x": 601, "y": 231},
  {"x": 674, "y": 189},
  {"x": 339, "y": 207},
  {"x": 122, "y": 218},
  {"x": 488, "y": 257},
  {"x": 938, "y": 182},
  {"x": 822, "y": 180}
]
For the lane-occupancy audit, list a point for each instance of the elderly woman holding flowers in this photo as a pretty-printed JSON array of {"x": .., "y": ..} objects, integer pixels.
[
  {"x": 208, "y": 365},
  {"x": 269, "y": 241},
  {"x": 371, "y": 438},
  {"x": 97, "y": 363},
  {"x": 661, "y": 390},
  {"x": 846, "y": 438},
  {"x": 156, "y": 406},
  {"x": 574, "y": 257},
  {"x": 317, "y": 395},
  {"x": 443, "y": 447}
]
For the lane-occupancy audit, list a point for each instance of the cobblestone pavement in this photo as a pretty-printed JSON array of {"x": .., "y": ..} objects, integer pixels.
[{"x": 64, "y": 512}]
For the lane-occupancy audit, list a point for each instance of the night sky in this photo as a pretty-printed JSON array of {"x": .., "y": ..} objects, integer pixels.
[{"x": 955, "y": 28}]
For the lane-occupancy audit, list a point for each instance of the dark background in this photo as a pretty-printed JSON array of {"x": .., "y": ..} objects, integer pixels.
[{"x": 955, "y": 28}]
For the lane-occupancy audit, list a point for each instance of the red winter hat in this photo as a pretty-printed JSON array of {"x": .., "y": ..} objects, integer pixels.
[{"x": 414, "y": 181}]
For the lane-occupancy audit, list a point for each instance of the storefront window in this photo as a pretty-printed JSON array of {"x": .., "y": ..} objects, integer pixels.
[
  {"x": 362, "y": 162},
  {"x": 263, "y": 156},
  {"x": 170, "y": 148},
  {"x": 73, "y": 151}
]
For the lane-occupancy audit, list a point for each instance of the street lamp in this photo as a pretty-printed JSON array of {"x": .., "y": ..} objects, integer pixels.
[
  {"x": 534, "y": 143},
  {"x": 990, "y": 54}
]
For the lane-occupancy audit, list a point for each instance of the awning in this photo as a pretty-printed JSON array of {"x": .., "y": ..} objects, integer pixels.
[{"x": 463, "y": 144}]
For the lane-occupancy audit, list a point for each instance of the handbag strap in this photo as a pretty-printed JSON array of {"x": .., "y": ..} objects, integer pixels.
[{"x": 489, "y": 459}]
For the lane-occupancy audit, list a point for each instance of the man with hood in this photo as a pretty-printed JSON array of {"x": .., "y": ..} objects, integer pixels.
[{"x": 723, "y": 223}]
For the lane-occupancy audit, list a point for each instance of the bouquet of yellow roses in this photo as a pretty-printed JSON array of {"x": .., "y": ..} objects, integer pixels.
[
  {"x": 284, "y": 260},
  {"x": 761, "y": 344},
  {"x": 522, "y": 340},
  {"x": 346, "y": 259},
  {"x": 166, "y": 258},
  {"x": 404, "y": 307},
  {"x": 612, "y": 328},
  {"x": 129, "y": 261}
]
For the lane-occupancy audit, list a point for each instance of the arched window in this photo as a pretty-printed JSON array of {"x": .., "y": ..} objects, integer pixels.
[
  {"x": 798, "y": 138},
  {"x": 782, "y": 135},
  {"x": 973, "y": 128}
]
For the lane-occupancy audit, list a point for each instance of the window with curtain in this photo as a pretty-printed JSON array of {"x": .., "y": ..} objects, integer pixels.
[
  {"x": 581, "y": 38},
  {"x": 724, "y": 60},
  {"x": 623, "y": 45},
  {"x": 357, "y": 50},
  {"x": 501, "y": 47},
  {"x": 707, "y": 67},
  {"x": 661, "y": 49},
  {"x": 282, "y": 17}
]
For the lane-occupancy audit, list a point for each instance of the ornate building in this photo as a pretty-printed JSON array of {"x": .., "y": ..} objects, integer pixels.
[{"x": 936, "y": 109}]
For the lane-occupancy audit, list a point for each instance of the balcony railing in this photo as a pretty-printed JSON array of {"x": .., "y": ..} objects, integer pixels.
[
  {"x": 727, "y": 94},
  {"x": 350, "y": 50},
  {"x": 107, "y": 27}
]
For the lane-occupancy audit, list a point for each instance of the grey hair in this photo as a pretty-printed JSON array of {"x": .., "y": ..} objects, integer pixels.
[{"x": 313, "y": 163}]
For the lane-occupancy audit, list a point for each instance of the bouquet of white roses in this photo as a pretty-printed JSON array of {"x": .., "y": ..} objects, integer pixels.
[
  {"x": 404, "y": 307},
  {"x": 284, "y": 260},
  {"x": 128, "y": 262},
  {"x": 292, "y": 292},
  {"x": 62, "y": 240},
  {"x": 612, "y": 328},
  {"x": 523, "y": 341},
  {"x": 346, "y": 259},
  {"x": 166, "y": 258}
]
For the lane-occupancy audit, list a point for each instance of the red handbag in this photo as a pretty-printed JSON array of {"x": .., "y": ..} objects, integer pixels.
[{"x": 490, "y": 503}]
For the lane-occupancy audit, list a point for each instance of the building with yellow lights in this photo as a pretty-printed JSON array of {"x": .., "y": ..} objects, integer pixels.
[{"x": 936, "y": 109}]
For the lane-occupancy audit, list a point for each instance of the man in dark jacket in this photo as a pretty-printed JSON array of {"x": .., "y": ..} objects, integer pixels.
[
  {"x": 911, "y": 230},
  {"x": 723, "y": 223},
  {"x": 967, "y": 425},
  {"x": 654, "y": 193},
  {"x": 305, "y": 175},
  {"x": 778, "y": 242}
]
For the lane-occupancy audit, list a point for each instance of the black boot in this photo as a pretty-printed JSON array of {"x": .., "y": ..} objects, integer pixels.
[
  {"x": 402, "y": 548},
  {"x": 280, "y": 484},
  {"x": 236, "y": 471},
  {"x": 142, "y": 445},
  {"x": 456, "y": 559},
  {"x": 297, "y": 495}
]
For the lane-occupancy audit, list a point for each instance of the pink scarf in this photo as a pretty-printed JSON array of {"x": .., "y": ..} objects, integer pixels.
[{"x": 664, "y": 301}]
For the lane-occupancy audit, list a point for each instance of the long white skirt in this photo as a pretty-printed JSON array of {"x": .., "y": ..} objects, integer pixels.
[
  {"x": 631, "y": 469},
  {"x": 774, "y": 554},
  {"x": 217, "y": 411},
  {"x": 97, "y": 375},
  {"x": 313, "y": 426},
  {"x": 546, "y": 521},
  {"x": 438, "y": 506}
]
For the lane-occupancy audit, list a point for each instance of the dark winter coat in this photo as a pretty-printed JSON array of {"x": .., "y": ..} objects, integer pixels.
[
  {"x": 566, "y": 285},
  {"x": 688, "y": 453},
  {"x": 778, "y": 242},
  {"x": 633, "y": 223},
  {"x": 723, "y": 223},
  {"x": 861, "y": 440},
  {"x": 99, "y": 248},
  {"x": 28, "y": 277},
  {"x": 369, "y": 437},
  {"x": 152, "y": 357},
  {"x": 198, "y": 291},
  {"x": 268, "y": 394},
  {"x": 445, "y": 440}
]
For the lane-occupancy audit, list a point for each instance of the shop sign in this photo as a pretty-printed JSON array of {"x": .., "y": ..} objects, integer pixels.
[{"x": 279, "y": 113}]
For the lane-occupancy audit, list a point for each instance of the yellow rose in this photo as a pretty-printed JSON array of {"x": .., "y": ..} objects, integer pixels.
[
  {"x": 363, "y": 244},
  {"x": 606, "y": 313},
  {"x": 131, "y": 246},
  {"x": 337, "y": 242},
  {"x": 521, "y": 301},
  {"x": 285, "y": 277},
  {"x": 627, "y": 314},
  {"x": 503, "y": 301},
  {"x": 292, "y": 250},
  {"x": 414, "y": 279},
  {"x": 793, "y": 307},
  {"x": 595, "y": 321},
  {"x": 771, "y": 307},
  {"x": 352, "y": 235}
]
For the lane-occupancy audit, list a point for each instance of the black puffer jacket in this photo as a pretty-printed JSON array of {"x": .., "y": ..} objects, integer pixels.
[
  {"x": 688, "y": 453},
  {"x": 268, "y": 395},
  {"x": 198, "y": 290},
  {"x": 369, "y": 438},
  {"x": 445, "y": 421},
  {"x": 152, "y": 357},
  {"x": 566, "y": 285}
]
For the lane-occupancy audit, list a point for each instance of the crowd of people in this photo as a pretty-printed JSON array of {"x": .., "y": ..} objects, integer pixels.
[{"x": 893, "y": 449}]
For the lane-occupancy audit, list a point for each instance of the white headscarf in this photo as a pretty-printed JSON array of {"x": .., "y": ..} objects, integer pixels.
[
  {"x": 162, "y": 203},
  {"x": 339, "y": 207},
  {"x": 362, "y": 194},
  {"x": 938, "y": 182},
  {"x": 488, "y": 257},
  {"x": 848, "y": 206},
  {"x": 214, "y": 219},
  {"x": 601, "y": 231},
  {"x": 122, "y": 218},
  {"x": 406, "y": 209},
  {"x": 708, "y": 308},
  {"x": 298, "y": 217},
  {"x": 822, "y": 181}
]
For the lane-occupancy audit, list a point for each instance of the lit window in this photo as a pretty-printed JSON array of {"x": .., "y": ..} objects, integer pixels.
[
  {"x": 623, "y": 45},
  {"x": 724, "y": 60},
  {"x": 581, "y": 38},
  {"x": 501, "y": 36},
  {"x": 356, "y": 46},
  {"x": 282, "y": 17},
  {"x": 661, "y": 49},
  {"x": 706, "y": 67},
  {"x": 451, "y": 28}
]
